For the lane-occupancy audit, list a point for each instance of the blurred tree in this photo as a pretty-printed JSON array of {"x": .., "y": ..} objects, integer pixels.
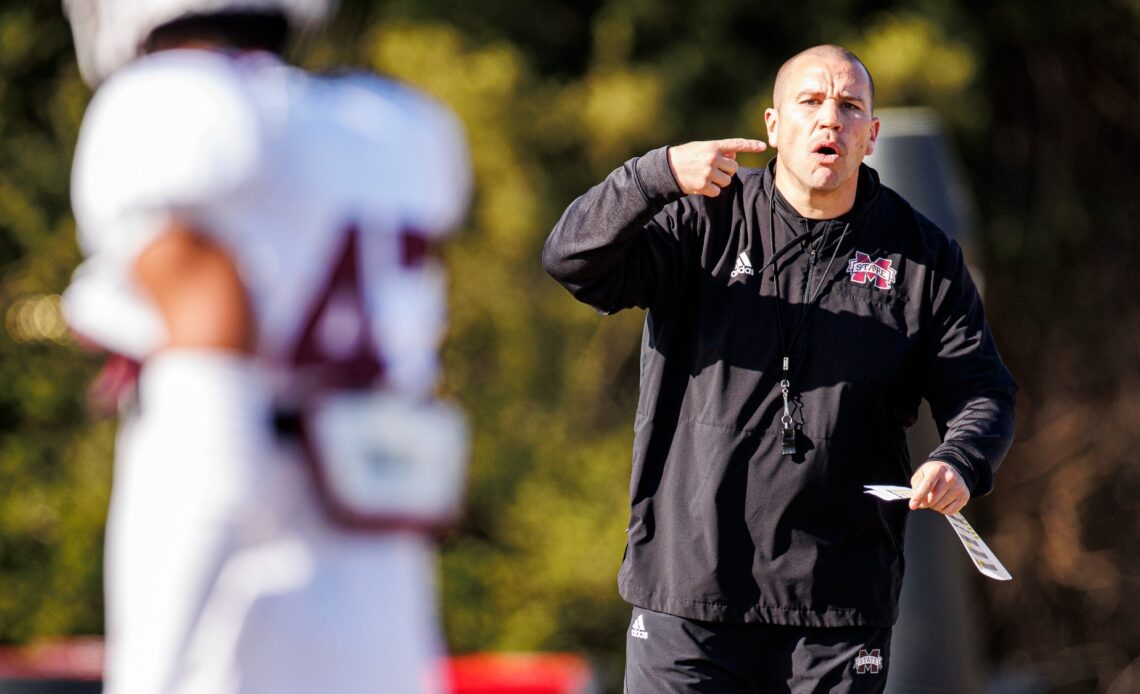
[
  {"x": 1055, "y": 171},
  {"x": 54, "y": 468}
]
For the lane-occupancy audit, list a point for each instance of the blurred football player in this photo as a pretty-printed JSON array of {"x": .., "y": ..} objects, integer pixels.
[{"x": 260, "y": 241}]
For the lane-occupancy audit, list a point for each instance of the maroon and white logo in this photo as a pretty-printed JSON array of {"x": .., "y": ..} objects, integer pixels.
[
  {"x": 863, "y": 270},
  {"x": 868, "y": 661}
]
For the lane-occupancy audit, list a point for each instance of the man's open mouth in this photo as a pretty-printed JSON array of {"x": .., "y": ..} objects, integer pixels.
[{"x": 826, "y": 152}]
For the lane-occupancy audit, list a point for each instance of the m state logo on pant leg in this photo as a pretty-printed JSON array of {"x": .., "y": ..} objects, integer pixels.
[
  {"x": 868, "y": 661},
  {"x": 863, "y": 270}
]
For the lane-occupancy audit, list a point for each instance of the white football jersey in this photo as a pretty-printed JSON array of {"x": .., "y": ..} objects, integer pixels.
[{"x": 295, "y": 175}]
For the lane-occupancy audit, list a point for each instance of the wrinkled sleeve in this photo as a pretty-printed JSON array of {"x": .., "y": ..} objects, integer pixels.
[
  {"x": 624, "y": 242},
  {"x": 972, "y": 394}
]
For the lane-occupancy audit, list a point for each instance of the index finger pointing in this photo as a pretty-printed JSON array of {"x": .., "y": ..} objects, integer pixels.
[{"x": 740, "y": 144}]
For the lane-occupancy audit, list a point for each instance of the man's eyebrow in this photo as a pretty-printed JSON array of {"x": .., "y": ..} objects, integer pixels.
[{"x": 815, "y": 91}]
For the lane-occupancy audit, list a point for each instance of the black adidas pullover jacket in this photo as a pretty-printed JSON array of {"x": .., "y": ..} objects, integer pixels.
[{"x": 723, "y": 527}]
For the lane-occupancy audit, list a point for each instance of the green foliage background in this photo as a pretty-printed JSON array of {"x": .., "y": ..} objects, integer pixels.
[{"x": 1041, "y": 101}]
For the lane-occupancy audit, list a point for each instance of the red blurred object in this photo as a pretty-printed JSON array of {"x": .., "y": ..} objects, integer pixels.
[
  {"x": 520, "y": 673},
  {"x": 74, "y": 660},
  {"x": 81, "y": 660}
]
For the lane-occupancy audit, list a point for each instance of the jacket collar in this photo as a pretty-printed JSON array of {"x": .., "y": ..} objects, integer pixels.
[{"x": 865, "y": 196}]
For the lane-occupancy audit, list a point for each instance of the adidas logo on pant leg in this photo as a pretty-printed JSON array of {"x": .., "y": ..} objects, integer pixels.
[{"x": 637, "y": 630}]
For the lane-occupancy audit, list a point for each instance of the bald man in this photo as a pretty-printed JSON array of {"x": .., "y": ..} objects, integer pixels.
[{"x": 796, "y": 316}]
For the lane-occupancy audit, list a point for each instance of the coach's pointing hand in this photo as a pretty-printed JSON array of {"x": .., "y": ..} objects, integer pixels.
[{"x": 706, "y": 167}]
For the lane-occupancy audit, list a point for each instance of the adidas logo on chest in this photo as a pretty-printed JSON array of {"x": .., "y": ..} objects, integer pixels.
[{"x": 743, "y": 266}]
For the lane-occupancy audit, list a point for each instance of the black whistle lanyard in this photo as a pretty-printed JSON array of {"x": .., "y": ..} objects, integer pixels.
[{"x": 788, "y": 432}]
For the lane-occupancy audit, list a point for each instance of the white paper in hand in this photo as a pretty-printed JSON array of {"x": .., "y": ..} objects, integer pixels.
[{"x": 980, "y": 553}]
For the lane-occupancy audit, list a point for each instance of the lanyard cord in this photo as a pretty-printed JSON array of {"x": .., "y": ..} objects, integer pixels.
[
  {"x": 787, "y": 247},
  {"x": 788, "y": 434},
  {"x": 810, "y": 297}
]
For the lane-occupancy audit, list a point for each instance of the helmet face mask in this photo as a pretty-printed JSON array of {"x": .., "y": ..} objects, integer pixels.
[{"x": 109, "y": 34}]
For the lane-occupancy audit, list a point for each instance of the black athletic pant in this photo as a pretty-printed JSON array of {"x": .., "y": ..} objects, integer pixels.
[{"x": 667, "y": 654}]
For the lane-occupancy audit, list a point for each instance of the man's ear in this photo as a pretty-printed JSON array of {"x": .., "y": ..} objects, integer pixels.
[
  {"x": 874, "y": 135},
  {"x": 772, "y": 121}
]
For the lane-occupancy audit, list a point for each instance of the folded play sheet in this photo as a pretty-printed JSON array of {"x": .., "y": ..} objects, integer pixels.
[{"x": 982, "y": 556}]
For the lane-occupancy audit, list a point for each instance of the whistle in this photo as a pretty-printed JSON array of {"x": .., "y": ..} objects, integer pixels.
[{"x": 789, "y": 440}]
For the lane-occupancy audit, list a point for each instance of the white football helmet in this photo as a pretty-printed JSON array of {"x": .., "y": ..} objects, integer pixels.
[{"x": 110, "y": 33}]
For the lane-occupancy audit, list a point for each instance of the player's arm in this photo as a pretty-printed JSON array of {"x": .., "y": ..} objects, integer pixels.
[
  {"x": 197, "y": 290},
  {"x": 159, "y": 145},
  {"x": 204, "y": 392}
]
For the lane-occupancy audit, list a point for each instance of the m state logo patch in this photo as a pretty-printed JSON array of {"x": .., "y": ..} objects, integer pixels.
[
  {"x": 868, "y": 662},
  {"x": 863, "y": 270}
]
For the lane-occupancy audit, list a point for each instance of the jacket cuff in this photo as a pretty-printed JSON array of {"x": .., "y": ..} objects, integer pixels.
[
  {"x": 656, "y": 179},
  {"x": 978, "y": 481}
]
